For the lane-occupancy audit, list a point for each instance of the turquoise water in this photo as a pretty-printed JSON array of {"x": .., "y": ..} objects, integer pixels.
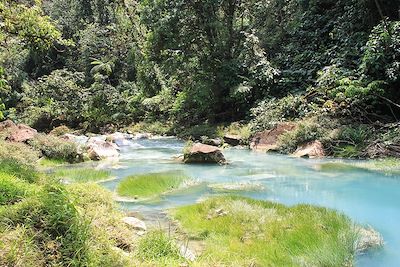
[{"x": 367, "y": 197}]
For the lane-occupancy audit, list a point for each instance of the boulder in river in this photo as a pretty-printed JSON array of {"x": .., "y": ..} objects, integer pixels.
[
  {"x": 368, "y": 238},
  {"x": 233, "y": 140},
  {"x": 201, "y": 153},
  {"x": 268, "y": 139},
  {"x": 101, "y": 150},
  {"x": 313, "y": 149}
]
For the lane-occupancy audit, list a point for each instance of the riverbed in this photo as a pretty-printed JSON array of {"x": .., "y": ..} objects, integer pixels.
[{"x": 369, "y": 198}]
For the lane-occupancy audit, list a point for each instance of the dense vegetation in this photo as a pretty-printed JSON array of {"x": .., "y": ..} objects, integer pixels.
[{"x": 98, "y": 64}]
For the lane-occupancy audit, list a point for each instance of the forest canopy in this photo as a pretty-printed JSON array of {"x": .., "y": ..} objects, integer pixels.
[{"x": 90, "y": 64}]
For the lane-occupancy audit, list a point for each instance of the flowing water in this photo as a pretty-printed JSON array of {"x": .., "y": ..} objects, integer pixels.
[{"x": 367, "y": 197}]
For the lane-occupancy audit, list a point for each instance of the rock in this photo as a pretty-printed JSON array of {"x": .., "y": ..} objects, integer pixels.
[
  {"x": 135, "y": 223},
  {"x": 120, "y": 139},
  {"x": 313, "y": 149},
  {"x": 268, "y": 139},
  {"x": 368, "y": 238},
  {"x": 140, "y": 136},
  {"x": 78, "y": 139},
  {"x": 212, "y": 142},
  {"x": 21, "y": 133},
  {"x": 6, "y": 125},
  {"x": 186, "y": 253},
  {"x": 101, "y": 150},
  {"x": 233, "y": 140},
  {"x": 201, "y": 153}
]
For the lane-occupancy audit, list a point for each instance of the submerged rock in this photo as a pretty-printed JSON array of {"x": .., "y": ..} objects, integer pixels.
[
  {"x": 313, "y": 149},
  {"x": 135, "y": 223},
  {"x": 268, "y": 139},
  {"x": 243, "y": 186},
  {"x": 201, "y": 153},
  {"x": 368, "y": 238}
]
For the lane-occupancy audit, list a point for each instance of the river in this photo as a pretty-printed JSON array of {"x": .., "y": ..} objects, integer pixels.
[{"x": 369, "y": 198}]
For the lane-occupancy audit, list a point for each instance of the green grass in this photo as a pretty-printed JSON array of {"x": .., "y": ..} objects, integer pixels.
[
  {"x": 158, "y": 248},
  {"x": 82, "y": 174},
  {"x": 46, "y": 162},
  {"x": 239, "y": 231},
  {"x": 20, "y": 171},
  {"x": 13, "y": 189},
  {"x": 45, "y": 223},
  {"x": 150, "y": 184}
]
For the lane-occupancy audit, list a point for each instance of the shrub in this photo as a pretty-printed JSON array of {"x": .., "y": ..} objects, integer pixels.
[
  {"x": 60, "y": 130},
  {"x": 306, "y": 131},
  {"x": 269, "y": 113},
  {"x": 56, "y": 148},
  {"x": 351, "y": 141},
  {"x": 18, "y": 152}
]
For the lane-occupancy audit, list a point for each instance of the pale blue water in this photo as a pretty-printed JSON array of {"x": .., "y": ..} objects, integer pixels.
[{"x": 367, "y": 197}]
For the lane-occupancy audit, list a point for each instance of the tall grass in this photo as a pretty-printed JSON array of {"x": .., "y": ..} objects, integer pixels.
[
  {"x": 243, "y": 232},
  {"x": 82, "y": 174},
  {"x": 150, "y": 184}
]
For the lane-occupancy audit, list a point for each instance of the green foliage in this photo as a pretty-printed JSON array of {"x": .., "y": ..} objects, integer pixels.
[
  {"x": 54, "y": 147},
  {"x": 352, "y": 141},
  {"x": 306, "y": 131},
  {"x": 382, "y": 55},
  {"x": 19, "y": 170},
  {"x": 55, "y": 98},
  {"x": 30, "y": 24},
  {"x": 18, "y": 152},
  {"x": 157, "y": 246},
  {"x": 60, "y": 130},
  {"x": 241, "y": 232},
  {"x": 82, "y": 175},
  {"x": 12, "y": 189},
  {"x": 269, "y": 113},
  {"x": 150, "y": 185}
]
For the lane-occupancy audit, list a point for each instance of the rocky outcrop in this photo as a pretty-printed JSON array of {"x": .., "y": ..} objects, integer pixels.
[
  {"x": 212, "y": 141},
  {"x": 313, "y": 149},
  {"x": 233, "y": 140},
  {"x": 98, "y": 149},
  {"x": 368, "y": 238},
  {"x": 268, "y": 139},
  {"x": 17, "y": 132},
  {"x": 201, "y": 153}
]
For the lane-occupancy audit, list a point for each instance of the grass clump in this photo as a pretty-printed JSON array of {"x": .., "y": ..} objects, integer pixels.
[
  {"x": 12, "y": 189},
  {"x": 18, "y": 152},
  {"x": 82, "y": 174},
  {"x": 45, "y": 223},
  {"x": 150, "y": 184},
  {"x": 18, "y": 170},
  {"x": 159, "y": 248},
  {"x": 239, "y": 231}
]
